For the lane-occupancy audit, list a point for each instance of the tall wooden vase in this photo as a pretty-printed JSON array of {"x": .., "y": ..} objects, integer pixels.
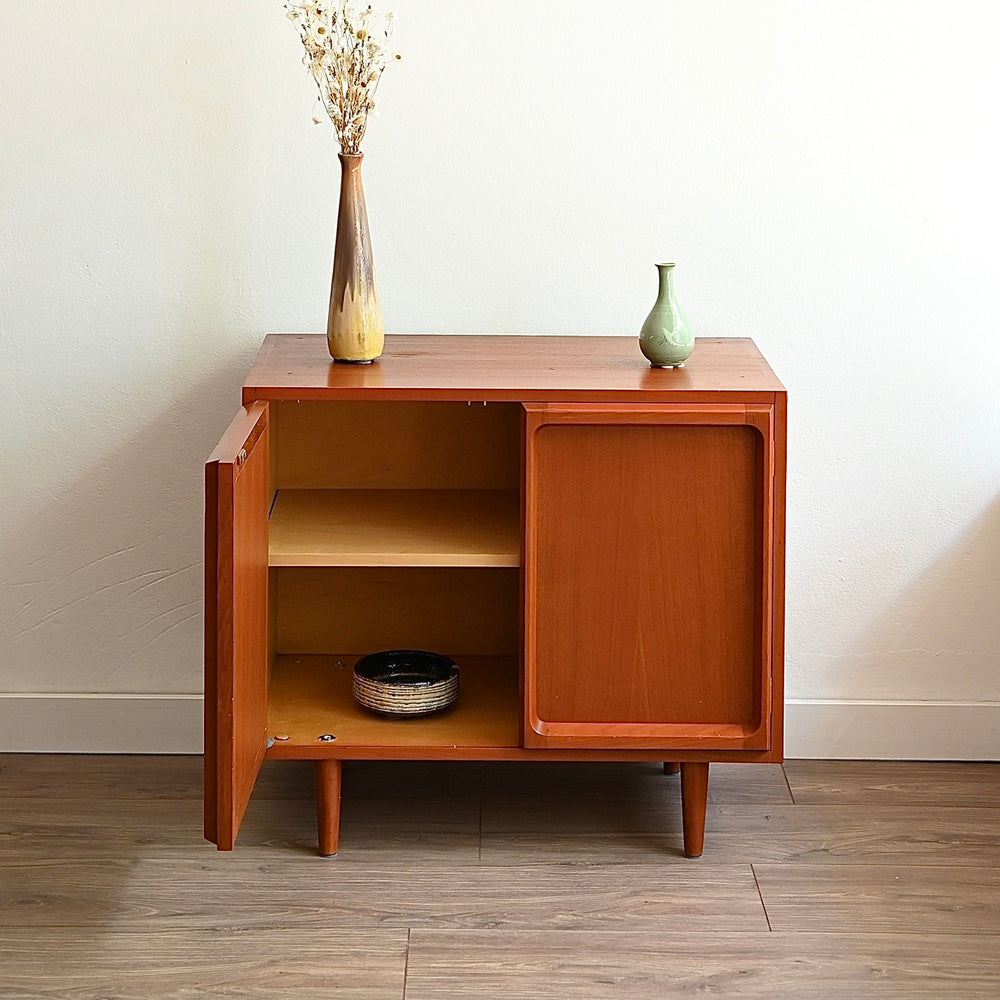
[{"x": 354, "y": 328}]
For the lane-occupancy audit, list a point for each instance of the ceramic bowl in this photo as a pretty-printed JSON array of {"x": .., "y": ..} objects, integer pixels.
[{"x": 405, "y": 682}]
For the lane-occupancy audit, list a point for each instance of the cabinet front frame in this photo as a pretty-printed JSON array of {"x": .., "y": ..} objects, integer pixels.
[{"x": 581, "y": 734}]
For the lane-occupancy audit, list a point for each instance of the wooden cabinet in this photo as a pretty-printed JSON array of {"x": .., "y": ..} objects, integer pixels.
[{"x": 598, "y": 544}]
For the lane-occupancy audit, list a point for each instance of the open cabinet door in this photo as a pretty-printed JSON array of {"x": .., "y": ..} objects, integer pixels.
[{"x": 236, "y": 632}]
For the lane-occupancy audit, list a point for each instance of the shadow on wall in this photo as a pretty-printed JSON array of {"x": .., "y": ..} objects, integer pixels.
[
  {"x": 103, "y": 587},
  {"x": 940, "y": 640}
]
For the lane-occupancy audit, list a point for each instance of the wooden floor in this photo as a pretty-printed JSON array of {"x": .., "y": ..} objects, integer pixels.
[{"x": 530, "y": 881}]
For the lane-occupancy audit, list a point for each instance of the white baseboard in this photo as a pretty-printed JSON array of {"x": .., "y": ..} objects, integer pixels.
[
  {"x": 892, "y": 730},
  {"x": 845, "y": 730},
  {"x": 101, "y": 723}
]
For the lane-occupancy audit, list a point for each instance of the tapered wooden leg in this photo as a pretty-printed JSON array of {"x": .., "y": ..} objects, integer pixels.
[
  {"x": 328, "y": 773},
  {"x": 694, "y": 801},
  {"x": 671, "y": 767}
]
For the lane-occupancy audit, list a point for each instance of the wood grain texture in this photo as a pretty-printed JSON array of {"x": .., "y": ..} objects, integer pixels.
[
  {"x": 583, "y": 832},
  {"x": 368, "y": 445},
  {"x": 395, "y": 528},
  {"x": 578, "y": 828},
  {"x": 779, "y": 469},
  {"x": 589, "y": 965},
  {"x": 628, "y": 519},
  {"x": 455, "y": 609},
  {"x": 313, "y": 695},
  {"x": 669, "y": 597},
  {"x": 502, "y": 784},
  {"x": 329, "y": 776},
  {"x": 170, "y": 963},
  {"x": 694, "y": 802},
  {"x": 314, "y": 892},
  {"x": 237, "y": 497},
  {"x": 134, "y": 777},
  {"x": 108, "y": 776},
  {"x": 445, "y": 829},
  {"x": 107, "y": 889},
  {"x": 854, "y": 782},
  {"x": 579, "y": 369},
  {"x": 877, "y": 898}
]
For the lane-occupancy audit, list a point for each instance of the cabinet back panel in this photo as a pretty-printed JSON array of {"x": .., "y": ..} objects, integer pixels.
[
  {"x": 397, "y": 445},
  {"x": 649, "y": 570},
  {"x": 361, "y": 610}
]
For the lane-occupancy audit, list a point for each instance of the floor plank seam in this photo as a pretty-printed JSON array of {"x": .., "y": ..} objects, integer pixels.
[
  {"x": 788, "y": 784},
  {"x": 406, "y": 961},
  {"x": 761, "y": 895}
]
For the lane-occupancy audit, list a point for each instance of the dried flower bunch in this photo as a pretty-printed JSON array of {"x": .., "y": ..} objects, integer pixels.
[{"x": 346, "y": 59}]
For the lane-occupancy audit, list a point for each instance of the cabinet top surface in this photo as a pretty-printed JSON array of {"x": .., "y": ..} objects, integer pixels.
[{"x": 481, "y": 367}]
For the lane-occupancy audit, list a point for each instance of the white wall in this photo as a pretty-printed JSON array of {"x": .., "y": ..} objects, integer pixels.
[{"x": 824, "y": 173}]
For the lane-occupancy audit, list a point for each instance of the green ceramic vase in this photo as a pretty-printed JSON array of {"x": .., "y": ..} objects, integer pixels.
[{"x": 666, "y": 339}]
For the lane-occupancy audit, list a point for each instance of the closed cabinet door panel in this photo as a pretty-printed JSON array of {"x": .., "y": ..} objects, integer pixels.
[{"x": 646, "y": 578}]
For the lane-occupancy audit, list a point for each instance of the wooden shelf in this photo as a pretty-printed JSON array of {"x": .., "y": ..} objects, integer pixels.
[
  {"x": 312, "y": 695},
  {"x": 395, "y": 528}
]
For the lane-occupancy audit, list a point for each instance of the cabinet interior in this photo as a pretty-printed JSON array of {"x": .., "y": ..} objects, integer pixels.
[{"x": 393, "y": 525}]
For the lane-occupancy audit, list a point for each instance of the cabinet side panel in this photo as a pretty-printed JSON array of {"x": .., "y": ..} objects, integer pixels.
[
  {"x": 648, "y": 574},
  {"x": 778, "y": 571}
]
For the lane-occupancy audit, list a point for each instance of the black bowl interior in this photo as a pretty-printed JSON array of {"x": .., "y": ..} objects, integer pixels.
[{"x": 412, "y": 667}]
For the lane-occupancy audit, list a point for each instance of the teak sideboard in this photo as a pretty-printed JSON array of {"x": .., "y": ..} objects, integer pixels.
[{"x": 598, "y": 544}]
